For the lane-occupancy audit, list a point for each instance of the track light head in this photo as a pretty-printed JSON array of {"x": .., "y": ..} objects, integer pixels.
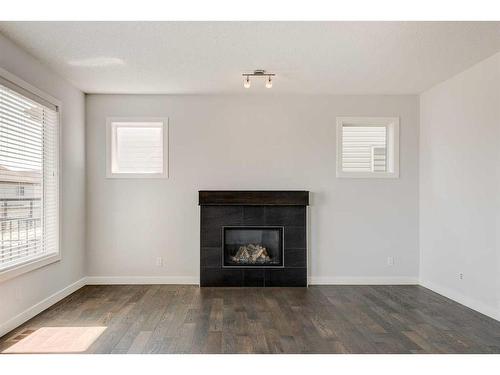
[
  {"x": 269, "y": 82},
  {"x": 246, "y": 82}
]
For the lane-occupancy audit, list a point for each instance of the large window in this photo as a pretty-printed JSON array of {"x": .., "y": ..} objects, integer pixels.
[
  {"x": 29, "y": 178},
  {"x": 137, "y": 148},
  {"x": 368, "y": 147}
]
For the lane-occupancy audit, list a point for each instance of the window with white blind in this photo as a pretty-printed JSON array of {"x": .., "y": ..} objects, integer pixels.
[
  {"x": 137, "y": 148},
  {"x": 368, "y": 147},
  {"x": 29, "y": 177}
]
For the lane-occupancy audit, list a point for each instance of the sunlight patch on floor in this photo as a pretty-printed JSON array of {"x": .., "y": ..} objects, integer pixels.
[{"x": 57, "y": 340}]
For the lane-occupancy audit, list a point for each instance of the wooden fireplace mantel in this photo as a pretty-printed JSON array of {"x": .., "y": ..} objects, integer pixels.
[{"x": 253, "y": 198}]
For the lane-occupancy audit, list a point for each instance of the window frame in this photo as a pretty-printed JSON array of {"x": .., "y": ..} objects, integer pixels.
[
  {"x": 40, "y": 260},
  {"x": 109, "y": 148},
  {"x": 392, "y": 146}
]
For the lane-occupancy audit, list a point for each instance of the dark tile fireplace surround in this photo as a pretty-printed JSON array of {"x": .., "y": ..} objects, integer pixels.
[{"x": 253, "y": 238}]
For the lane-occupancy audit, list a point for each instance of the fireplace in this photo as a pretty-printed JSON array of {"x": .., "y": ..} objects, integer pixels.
[
  {"x": 253, "y": 238},
  {"x": 252, "y": 247}
]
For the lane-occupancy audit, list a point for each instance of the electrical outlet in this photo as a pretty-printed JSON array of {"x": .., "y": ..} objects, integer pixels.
[
  {"x": 159, "y": 261},
  {"x": 390, "y": 261},
  {"x": 460, "y": 276}
]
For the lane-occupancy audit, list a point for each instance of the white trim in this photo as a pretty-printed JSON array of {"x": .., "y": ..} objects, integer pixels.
[
  {"x": 109, "y": 156},
  {"x": 26, "y": 86},
  {"x": 36, "y": 309},
  {"x": 462, "y": 299},
  {"x": 392, "y": 124},
  {"x": 334, "y": 280},
  {"x": 113, "y": 280},
  {"x": 29, "y": 265}
]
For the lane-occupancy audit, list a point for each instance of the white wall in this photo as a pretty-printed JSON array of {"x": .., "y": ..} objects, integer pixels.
[
  {"x": 20, "y": 294},
  {"x": 460, "y": 187},
  {"x": 252, "y": 142}
]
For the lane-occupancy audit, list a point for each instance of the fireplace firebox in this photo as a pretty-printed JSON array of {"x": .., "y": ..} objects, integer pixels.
[
  {"x": 253, "y": 238},
  {"x": 252, "y": 246}
]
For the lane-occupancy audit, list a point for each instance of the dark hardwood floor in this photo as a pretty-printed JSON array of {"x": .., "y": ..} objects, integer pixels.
[{"x": 319, "y": 319}]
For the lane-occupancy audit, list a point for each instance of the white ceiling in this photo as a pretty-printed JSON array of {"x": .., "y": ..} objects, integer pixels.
[{"x": 209, "y": 57}]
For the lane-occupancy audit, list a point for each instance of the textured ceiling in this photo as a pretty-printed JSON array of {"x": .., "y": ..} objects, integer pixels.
[{"x": 209, "y": 57}]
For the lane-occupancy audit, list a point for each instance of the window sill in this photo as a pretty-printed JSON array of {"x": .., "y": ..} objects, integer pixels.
[
  {"x": 137, "y": 175},
  {"x": 29, "y": 265},
  {"x": 382, "y": 175}
]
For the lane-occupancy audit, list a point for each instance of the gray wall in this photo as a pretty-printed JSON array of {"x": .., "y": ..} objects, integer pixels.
[
  {"x": 23, "y": 292},
  {"x": 460, "y": 187},
  {"x": 252, "y": 142}
]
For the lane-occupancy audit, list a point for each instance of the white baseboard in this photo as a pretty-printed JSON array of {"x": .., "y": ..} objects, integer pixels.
[
  {"x": 321, "y": 280},
  {"x": 462, "y": 299},
  {"x": 114, "y": 280},
  {"x": 39, "y": 307}
]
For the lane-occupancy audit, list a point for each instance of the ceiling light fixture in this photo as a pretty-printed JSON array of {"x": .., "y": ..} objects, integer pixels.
[{"x": 258, "y": 73}]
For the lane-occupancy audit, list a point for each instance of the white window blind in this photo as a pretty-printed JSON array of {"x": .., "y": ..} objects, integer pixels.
[
  {"x": 364, "y": 148},
  {"x": 137, "y": 148},
  {"x": 29, "y": 183}
]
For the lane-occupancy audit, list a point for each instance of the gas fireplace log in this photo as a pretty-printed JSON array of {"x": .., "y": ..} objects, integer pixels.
[{"x": 251, "y": 254}]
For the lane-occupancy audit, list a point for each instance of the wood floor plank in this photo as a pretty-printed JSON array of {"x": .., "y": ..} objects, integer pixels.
[{"x": 139, "y": 342}]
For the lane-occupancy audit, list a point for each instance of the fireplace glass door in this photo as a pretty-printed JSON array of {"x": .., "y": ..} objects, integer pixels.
[{"x": 252, "y": 246}]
